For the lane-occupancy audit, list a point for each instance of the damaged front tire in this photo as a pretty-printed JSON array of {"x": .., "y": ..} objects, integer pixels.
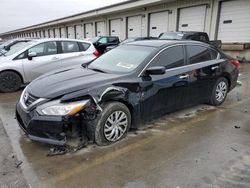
[{"x": 112, "y": 124}]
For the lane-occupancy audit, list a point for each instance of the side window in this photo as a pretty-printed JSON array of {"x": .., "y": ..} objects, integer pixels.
[
  {"x": 70, "y": 47},
  {"x": 113, "y": 40},
  {"x": 83, "y": 46},
  {"x": 203, "y": 38},
  {"x": 198, "y": 54},
  {"x": 47, "y": 48},
  {"x": 103, "y": 40},
  {"x": 170, "y": 58}
]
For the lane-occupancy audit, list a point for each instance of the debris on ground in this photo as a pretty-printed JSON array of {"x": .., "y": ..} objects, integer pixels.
[
  {"x": 18, "y": 163},
  {"x": 237, "y": 127},
  {"x": 239, "y": 83},
  {"x": 62, "y": 150},
  {"x": 234, "y": 149}
]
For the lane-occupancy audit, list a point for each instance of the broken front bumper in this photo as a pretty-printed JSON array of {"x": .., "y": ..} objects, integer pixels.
[{"x": 46, "y": 129}]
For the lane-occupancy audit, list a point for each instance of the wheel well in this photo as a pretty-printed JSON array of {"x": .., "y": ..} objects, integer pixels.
[
  {"x": 229, "y": 81},
  {"x": 10, "y": 70}
]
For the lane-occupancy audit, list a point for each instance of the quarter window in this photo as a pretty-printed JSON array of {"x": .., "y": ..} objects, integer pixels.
[
  {"x": 47, "y": 48},
  {"x": 198, "y": 54},
  {"x": 70, "y": 47},
  {"x": 170, "y": 58},
  {"x": 84, "y": 46},
  {"x": 113, "y": 40}
]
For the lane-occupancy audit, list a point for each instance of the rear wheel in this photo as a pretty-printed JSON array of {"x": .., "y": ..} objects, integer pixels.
[
  {"x": 112, "y": 124},
  {"x": 9, "y": 81},
  {"x": 219, "y": 92}
]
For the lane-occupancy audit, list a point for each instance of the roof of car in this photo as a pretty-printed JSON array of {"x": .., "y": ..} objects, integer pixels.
[
  {"x": 161, "y": 43},
  {"x": 61, "y": 39}
]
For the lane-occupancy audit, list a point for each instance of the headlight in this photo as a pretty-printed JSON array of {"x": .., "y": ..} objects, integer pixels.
[{"x": 55, "y": 108}]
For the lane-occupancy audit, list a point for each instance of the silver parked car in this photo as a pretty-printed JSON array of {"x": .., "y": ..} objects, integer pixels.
[{"x": 28, "y": 61}]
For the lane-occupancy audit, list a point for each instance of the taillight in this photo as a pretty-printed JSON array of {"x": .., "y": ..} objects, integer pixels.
[
  {"x": 96, "y": 53},
  {"x": 236, "y": 63}
]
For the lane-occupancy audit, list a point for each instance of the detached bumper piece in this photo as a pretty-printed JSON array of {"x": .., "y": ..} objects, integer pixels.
[{"x": 46, "y": 129}]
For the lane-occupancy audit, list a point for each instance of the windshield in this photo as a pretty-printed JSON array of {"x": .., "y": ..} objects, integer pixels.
[
  {"x": 6, "y": 43},
  {"x": 18, "y": 47},
  {"x": 122, "y": 59},
  {"x": 172, "y": 36},
  {"x": 94, "y": 40}
]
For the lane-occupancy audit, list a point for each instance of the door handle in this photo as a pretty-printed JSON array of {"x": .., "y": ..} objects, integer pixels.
[
  {"x": 184, "y": 76},
  {"x": 54, "y": 58},
  {"x": 215, "y": 67}
]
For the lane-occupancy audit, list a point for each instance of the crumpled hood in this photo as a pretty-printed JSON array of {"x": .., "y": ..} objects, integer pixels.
[{"x": 59, "y": 83}]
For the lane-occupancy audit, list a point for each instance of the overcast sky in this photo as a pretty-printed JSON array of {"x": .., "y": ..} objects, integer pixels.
[{"x": 15, "y": 14}]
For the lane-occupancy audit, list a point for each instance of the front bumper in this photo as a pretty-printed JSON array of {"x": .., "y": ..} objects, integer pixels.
[{"x": 46, "y": 129}]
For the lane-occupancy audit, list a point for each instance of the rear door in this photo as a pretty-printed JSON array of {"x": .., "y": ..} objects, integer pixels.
[
  {"x": 75, "y": 53},
  {"x": 202, "y": 79},
  {"x": 165, "y": 93},
  {"x": 47, "y": 59}
]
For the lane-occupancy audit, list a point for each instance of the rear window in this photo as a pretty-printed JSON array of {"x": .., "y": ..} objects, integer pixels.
[
  {"x": 83, "y": 46},
  {"x": 198, "y": 54},
  {"x": 70, "y": 47},
  {"x": 113, "y": 40}
]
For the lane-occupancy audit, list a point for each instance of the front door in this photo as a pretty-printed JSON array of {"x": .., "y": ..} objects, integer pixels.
[
  {"x": 46, "y": 59},
  {"x": 165, "y": 93}
]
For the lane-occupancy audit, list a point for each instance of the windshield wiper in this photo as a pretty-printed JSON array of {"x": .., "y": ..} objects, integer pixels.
[
  {"x": 97, "y": 70},
  {"x": 1, "y": 53}
]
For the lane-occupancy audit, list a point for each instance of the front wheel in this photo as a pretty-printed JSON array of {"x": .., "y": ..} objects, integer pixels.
[
  {"x": 219, "y": 92},
  {"x": 9, "y": 81},
  {"x": 112, "y": 124}
]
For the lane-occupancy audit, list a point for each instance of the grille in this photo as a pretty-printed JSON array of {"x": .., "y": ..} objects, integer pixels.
[{"x": 30, "y": 100}]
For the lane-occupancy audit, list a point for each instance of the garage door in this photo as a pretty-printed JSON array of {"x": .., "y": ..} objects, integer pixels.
[
  {"x": 51, "y": 33},
  {"x": 57, "y": 33},
  {"x": 115, "y": 28},
  {"x": 234, "y": 25},
  {"x": 158, "y": 23},
  {"x": 88, "y": 31},
  {"x": 79, "y": 32},
  {"x": 100, "y": 29},
  {"x": 134, "y": 26},
  {"x": 63, "y": 32},
  {"x": 71, "y": 32},
  {"x": 46, "y": 34},
  {"x": 192, "y": 18}
]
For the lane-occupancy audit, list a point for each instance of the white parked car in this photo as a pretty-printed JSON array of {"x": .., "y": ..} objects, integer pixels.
[{"x": 28, "y": 61}]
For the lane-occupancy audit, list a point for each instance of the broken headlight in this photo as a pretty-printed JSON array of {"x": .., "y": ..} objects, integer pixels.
[{"x": 56, "y": 108}]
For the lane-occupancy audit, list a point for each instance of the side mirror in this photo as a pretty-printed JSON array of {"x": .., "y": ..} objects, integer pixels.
[
  {"x": 158, "y": 70},
  {"x": 31, "y": 55}
]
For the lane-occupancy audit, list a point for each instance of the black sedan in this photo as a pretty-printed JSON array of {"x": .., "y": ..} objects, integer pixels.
[{"x": 130, "y": 85}]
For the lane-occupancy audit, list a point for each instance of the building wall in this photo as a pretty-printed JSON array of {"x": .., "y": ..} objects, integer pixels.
[{"x": 122, "y": 12}]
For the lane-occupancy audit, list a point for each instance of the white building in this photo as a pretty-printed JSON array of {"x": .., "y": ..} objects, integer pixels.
[{"x": 226, "y": 20}]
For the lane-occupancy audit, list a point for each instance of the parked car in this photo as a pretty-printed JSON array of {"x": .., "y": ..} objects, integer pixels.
[
  {"x": 132, "y": 39},
  {"x": 190, "y": 35},
  {"x": 125, "y": 87},
  {"x": 25, "y": 63},
  {"x": 10, "y": 44},
  {"x": 101, "y": 43}
]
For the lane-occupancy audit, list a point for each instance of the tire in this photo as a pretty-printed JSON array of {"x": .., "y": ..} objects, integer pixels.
[
  {"x": 218, "y": 95},
  {"x": 9, "y": 81},
  {"x": 103, "y": 123}
]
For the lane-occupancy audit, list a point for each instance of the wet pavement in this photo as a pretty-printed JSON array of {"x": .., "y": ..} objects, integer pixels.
[{"x": 202, "y": 146}]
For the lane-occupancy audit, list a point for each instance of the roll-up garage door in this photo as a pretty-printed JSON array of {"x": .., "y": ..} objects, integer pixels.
[
  {"x": 46, "y": 33},
  {"x": 71, "y": 32},
  {"x": 89, "y": 30},
  {"x": 100, "y": 29},
  {"x": 134, "y": 26},
  {"x": 79, "y": 32},
  {"x": 63, "y": 32},
  {"x": 192, "y": 18},
  {"x": 158, "y": 23},
  {"x": 234, "y": 25},
  {"x": 115, "y": 28},
  {"x": 57, "y": 33},
  {"x": 51, "y": 33}
]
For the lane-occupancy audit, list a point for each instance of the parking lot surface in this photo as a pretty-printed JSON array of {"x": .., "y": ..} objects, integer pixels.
[{"x": 202, "y": 146}]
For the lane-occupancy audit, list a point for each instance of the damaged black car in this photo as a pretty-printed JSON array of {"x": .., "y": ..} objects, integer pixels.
[{"x": 126, "y": 87}]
